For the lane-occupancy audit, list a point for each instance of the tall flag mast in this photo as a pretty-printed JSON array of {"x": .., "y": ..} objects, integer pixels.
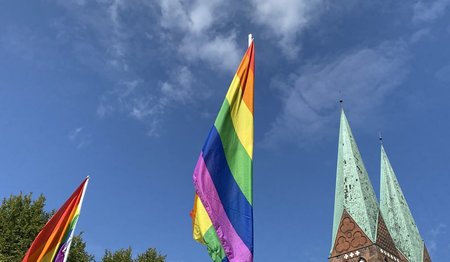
[
  {"x": 52, "y": 244},
  {"x": 223, "y": 206}
]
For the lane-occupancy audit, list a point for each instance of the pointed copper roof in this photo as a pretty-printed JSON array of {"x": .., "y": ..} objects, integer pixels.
[
  {"x": 354, "y": 192},
  {"x": 397, "y": 215}
]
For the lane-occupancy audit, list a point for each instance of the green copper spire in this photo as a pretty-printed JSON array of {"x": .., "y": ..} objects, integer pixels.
[
  {"x": 397, "y": 215},
  {"x": 354, "y": 192}
]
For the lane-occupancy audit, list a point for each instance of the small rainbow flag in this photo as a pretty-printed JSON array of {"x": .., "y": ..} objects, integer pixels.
[
  {"x": 52, "y": 244},
  {"x": 223, "y": 213}
]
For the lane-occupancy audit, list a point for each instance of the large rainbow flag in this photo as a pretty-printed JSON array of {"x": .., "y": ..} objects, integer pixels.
[
  {"x": 52, "y": 244},
  {"x": 223, "y": 214}
]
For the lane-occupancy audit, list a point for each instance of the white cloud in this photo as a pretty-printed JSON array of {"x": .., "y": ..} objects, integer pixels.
[
  {"x": 197, "y": 23},
  {"x": 114, "y": 10},
  {"x": 117, "y": 36},
  {"x": 428, "y": 11},
  {"x": 135, "y": 99},
  {"x": 193, "y": 16},
  {"x": 74, "y": 133},
  {"x": 286, "y": 20},
  {"x": 173, "y": 15},
  {"x": 220, "y": 52},
  {"x": 79, "y": 137},
  {"x": 180, "y": 88},
  {"x": 95, "y": 32},
  {"x": 365, "y": 77},
  {"x": 419, "y": 35},
  {"x": 435, "y": 234},
  {"x": 146, "y": 103},
  {"x": 438, "y": 230},
  {"x": 188, "y": 33}
]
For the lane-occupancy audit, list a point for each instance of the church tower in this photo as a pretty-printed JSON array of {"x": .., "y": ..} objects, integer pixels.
[
  {"x": 399, "y": 219},
  {"x": 359, "y": 230}
]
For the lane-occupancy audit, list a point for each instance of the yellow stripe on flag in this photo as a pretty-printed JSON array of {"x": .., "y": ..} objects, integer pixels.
[
  {"x": 201, "y": 221},
  {"x": 241, "y": 116}
]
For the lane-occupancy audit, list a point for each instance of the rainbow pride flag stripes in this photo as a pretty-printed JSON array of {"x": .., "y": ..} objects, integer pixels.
[
  {"x": 52, "y": 244},
  {"x": 223, "y": 214}
]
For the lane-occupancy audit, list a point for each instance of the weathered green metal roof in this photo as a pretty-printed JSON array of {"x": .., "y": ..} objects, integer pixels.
[
  {"x": 397, "y": 215},
  {"x": 354, "y": 192}
]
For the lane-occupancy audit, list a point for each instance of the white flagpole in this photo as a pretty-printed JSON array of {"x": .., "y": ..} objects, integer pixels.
[
  {"x": 250, "y": 39},
  {"x": 66, "y": 255}
]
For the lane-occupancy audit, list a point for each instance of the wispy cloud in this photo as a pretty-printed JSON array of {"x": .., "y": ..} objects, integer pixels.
[
  {"x": 220, "y": 52},
  {"x": 186, "y": 33},
  {"x": 286, "y": 20},
  {"x": 365, "y": 77},
  {"x": 428, "y": 11},
  {"x": 79, "y": 137},
  {"x": 203, "y": 38},
  {"x": 439, "y": 229},
  {"x": 112, "y": 51},
  {"x": 148, "y": 105},
  {"x": 135, "y": 99},
  {"x": 420, "y": 35},
  {"x": 179, "y": 88},
  {"x": 92, "y": 29},
  {"x": 443, "y": 74},
  {"x": 435, "y": 235}
]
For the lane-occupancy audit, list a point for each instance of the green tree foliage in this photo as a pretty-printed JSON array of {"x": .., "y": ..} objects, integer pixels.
[
  {"x": 151, "y": 255},
  {"x": 121, "y": 255},
  {"x": 21, "y": 219},
  {"x": 77, "y": 252},
  {"x": 125, "y": 255}
]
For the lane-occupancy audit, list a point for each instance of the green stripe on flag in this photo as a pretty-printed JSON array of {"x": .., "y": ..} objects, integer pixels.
[
  {"x": 238, "y": 159},
  {"x": 215, "y": 249}
]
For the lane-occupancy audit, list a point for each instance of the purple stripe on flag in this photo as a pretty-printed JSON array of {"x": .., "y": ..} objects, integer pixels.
[
  {"x": 233, "y": 245},
  {"x": 61, "y": 253}
]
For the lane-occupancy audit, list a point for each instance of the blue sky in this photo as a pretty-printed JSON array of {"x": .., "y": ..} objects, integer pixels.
[{"x": 126, "y": 91}]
